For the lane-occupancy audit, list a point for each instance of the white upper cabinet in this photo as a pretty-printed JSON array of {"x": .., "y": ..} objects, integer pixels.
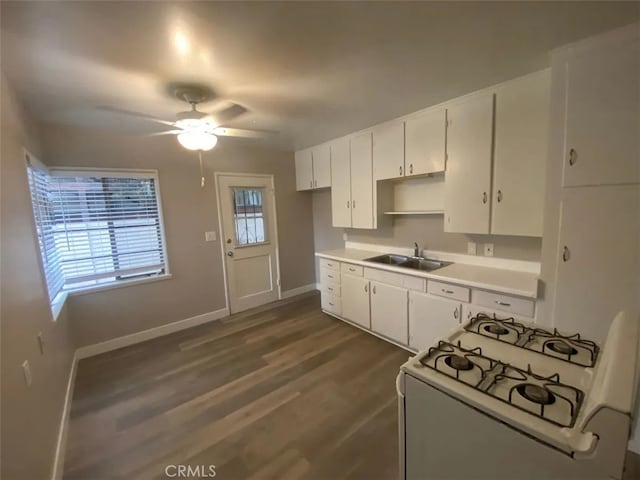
[
  {"x": 304, "y": 170},
  {"x": 321, "y": 166},
  {"x": 425, "y": 136},
  {"x": 468, "y": 176},
  {"x": 389, "y": 311},
  {"x": 388, "y": 150},
  {"x": 362, "y": 182},
  {"x": 603, "y": 113},
  {"x": 520, "y": 153},
  {"x": 340, "y": 183}
]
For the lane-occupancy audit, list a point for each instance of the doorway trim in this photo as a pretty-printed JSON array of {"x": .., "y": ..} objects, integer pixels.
[{"x": 272, "y": 188}]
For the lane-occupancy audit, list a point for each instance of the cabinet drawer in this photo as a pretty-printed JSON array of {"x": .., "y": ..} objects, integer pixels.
[
  {"x": 506, "y": 303},
  {"x": 447, "y": 290},
  {"x": 327, "y": 275},
  {"x": 331, "y": 288},
  {"x": 383, "y": 276},
  {"x": 351, "y": 269},
  {"x": 415, "y": 283},
  {"x": 331, "y": 303},
  {"x": 470, "y": 310},
  {"x": 329, "y": 264}
]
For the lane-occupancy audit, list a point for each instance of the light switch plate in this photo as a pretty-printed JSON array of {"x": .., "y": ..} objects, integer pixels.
[
  {"x": 210, "y": 236},
  {"x": 472, "y": 248},
  {"x": 26, "y": 368},
  {"x": 488, "y": 249}
]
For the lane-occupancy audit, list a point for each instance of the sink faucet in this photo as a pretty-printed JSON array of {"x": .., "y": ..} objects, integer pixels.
[{"x": 416, "y": 249}]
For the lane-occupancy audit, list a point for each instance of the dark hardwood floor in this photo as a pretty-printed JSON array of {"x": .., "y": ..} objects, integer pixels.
[{"x": 282, "y": 392}]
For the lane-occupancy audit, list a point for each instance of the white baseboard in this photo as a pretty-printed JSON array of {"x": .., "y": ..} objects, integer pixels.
[
  {"x": 58, "y": 461},
  {"x": 126, "y": 340},
  {"x": 298, "y": 291}
]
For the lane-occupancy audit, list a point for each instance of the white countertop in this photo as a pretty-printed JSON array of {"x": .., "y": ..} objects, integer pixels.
[{"x": 522, "y": 284}]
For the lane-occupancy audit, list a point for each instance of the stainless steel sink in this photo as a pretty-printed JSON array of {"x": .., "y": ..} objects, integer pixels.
[
  {"x": 389, "y": 259},
  {"x": 423, "y": 264}
]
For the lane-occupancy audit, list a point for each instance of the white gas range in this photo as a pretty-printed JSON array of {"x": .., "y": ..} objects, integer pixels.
[{"x": 503, "y": 399}]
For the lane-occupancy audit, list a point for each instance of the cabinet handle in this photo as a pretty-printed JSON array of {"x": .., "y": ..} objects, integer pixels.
[
  {"x": 499, "y": 196},
  {"x": 411, "y": 168},
  {"x": 565, "y": 254},
  {"x": 573, "y": 157},
  {"x": 330, "y": 289},
  {"x": 331, "y": 304},
  {"x": 351, "y": 269},
  {"x": 455, "y": 314},
  {"x": 450, "y": 292},
  {"x": 504, "y": 304},
  {"x": 329, "y": 264},
  {"x": 330, "y": 276},
  {"x": 347, "y": 203},
  {"x": 366, "y": 289},
  {"x": 400, "y": 170},
  {"x": 374, "y": 289},
  {"x": 484, "y": 197}
]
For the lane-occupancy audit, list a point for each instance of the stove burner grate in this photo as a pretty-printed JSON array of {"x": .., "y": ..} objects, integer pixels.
[
  {"x": 495, "y": 329},
  {"x": 536, "y": 393},
  {"x": 561, "y": 347},
  {"x": 458, "y": 362}
]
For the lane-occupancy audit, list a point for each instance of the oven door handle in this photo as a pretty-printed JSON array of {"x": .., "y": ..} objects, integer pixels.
[{"x": 398, "y": 385}]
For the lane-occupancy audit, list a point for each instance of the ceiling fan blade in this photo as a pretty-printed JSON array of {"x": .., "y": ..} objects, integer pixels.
[
  {"x": 238, "y": 132},
  {"x": 225, "y": 115},
  {"x": 134, "y": 114},
  {"x": 166, "y": 132}
]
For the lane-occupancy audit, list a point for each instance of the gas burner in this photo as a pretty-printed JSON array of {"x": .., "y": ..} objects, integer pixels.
[
  {"x": 561, "y": 347},
  {"x": 536, "y": 393},
  {"x": 458, "y": 362},
  {"x": 495, "y": 329},
  {"x": 570, "y": 348}
]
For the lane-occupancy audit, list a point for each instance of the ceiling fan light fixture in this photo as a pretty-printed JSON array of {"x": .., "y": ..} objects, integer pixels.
[{"x": 197, "y": 140}]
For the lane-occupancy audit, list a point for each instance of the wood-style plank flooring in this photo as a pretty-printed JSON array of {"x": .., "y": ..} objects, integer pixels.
[{"x": 283, "y": 392}]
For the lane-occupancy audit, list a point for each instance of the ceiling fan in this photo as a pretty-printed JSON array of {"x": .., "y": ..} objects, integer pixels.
[{"x": 194, "y": 129}]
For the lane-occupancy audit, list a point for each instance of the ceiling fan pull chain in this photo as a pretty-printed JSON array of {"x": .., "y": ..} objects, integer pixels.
[{"x": 201, "y": 169}]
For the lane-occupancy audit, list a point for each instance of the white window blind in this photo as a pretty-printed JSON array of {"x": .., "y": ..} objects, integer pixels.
[{"x": 99, "y": 227}]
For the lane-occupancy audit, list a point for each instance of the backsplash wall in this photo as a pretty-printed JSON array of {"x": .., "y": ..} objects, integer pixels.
[{"x": 427, "y": 230}]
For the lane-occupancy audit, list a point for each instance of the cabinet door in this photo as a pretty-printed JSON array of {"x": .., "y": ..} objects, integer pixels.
[
  {"x": 355, "y": 300},
  {"x": 467, "y": 186},
  {"x": 304, "y": 170},
  {"x": 520, "y": 155},
  {"x": 388, "y": 151},
  {"x": 598, "y": 263},
  {"x": 431, "y": 318},
  {"x": 389, "y": 311},
  {"x": 425, "y": 136},
  {"x": 340, "y": 184},
  {"x": 361, "y": 182},
  {"x": 321, "y": 166},
  {"x": 603, "y": 115}
]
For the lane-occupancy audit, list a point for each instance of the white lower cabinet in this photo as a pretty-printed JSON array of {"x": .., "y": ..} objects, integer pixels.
[
  {"x": 389, "y": 311},
  {"x": 431, "y": 318},
  {"x": 355, "y": 300}
]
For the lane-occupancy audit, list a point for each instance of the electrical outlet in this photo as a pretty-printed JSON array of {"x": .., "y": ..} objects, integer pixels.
[
  {"x": 210, "y": 236},
  {"x": 26, "y": 369},
  {"x": 471, "y": 248},
  {"x": 488, "y": 249},
  {"x": 41, "y": 343}
]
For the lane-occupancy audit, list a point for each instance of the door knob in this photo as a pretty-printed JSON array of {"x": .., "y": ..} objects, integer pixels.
[{"x": 230, "y": 254}]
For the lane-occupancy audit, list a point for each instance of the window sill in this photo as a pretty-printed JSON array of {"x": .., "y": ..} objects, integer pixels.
[
  {"x": 58, "y": 304},
  {"x": 113, "y": 286}
]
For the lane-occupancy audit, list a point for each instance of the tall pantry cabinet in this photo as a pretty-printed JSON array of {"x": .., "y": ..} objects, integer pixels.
[{"x": 591, "y": 246}]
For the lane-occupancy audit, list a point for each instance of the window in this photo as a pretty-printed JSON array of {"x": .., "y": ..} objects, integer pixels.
[
  {"x": 248, "y": 216},
  {"x": 95, "y": 227}
]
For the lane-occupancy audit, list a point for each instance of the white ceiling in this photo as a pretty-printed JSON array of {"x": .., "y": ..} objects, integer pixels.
[{"x": 313, "y": 71}]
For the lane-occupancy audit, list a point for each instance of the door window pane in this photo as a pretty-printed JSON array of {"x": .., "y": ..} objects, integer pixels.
[{"x": 248, "y": 215}]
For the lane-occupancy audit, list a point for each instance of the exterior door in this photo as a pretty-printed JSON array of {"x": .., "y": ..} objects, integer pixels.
[{"x": 250, "y": 243}]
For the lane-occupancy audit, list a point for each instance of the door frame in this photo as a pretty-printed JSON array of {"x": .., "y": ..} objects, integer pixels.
[{"x": 217, "y": 176}]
